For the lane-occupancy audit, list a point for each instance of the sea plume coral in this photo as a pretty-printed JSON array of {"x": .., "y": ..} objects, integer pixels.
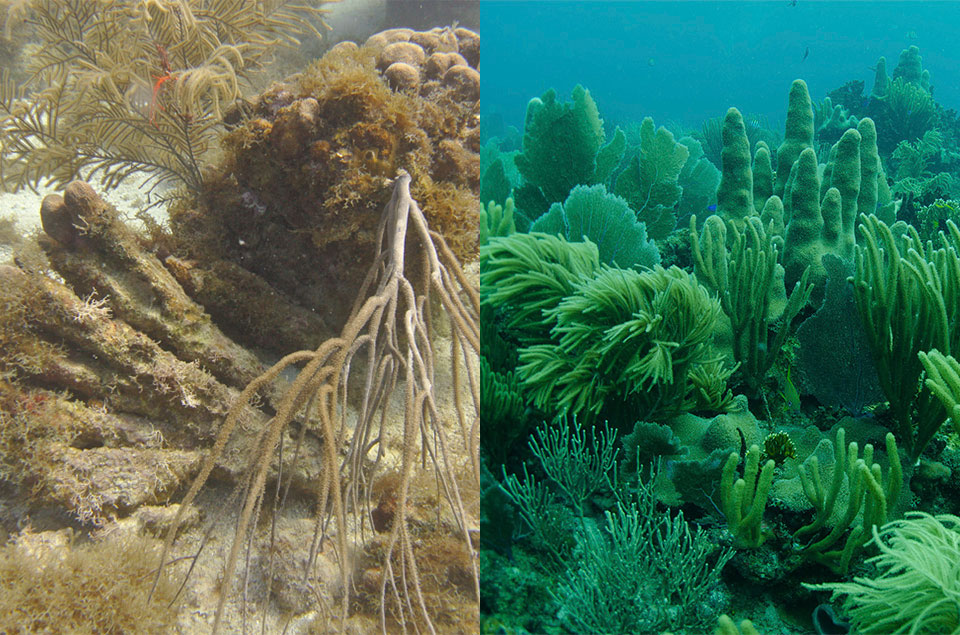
[
  {"x": 386, "y": 343},
  {"x": 919, "y": 582},
  {"x": 120, "y": 86},
  {"x": 625, "y": 338}
]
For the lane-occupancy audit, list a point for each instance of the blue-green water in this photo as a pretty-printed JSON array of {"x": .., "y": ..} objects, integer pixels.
[{"x": 689, "y": 61}]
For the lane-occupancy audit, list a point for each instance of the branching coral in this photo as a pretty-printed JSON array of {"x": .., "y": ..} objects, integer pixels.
[
  {"x": 497, "y": 220},
  {"x": 869, "y": 497},
  {"x": 908, "y": 110},
  {"x": 134, "y": 85},
  {"x": 943, "y": 379},
  {"x": 743, "y": 275},
  {"x": 744, "y": 499},
  {"x": 908, "y": 297},
  {"x": 386, "y": 343},
  {"x": 646, "y": 572}
]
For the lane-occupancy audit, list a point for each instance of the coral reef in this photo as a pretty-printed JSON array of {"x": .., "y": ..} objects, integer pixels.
[
  {"x": 131, "y": 430},
  {"x": 829, "y": 213},
  {"x": 797, "y": 487}
]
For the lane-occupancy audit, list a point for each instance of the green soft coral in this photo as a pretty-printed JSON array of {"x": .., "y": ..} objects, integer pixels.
[
  {"x": 943, "y": 379},
  {"x": 917, "y": 589},
  {"x": 502, "y": 411},
  {"x": 650, "y": 182},
  {"x": 523, "y": 275},
  {"x": 496, "y": 220},
  {"x": 744, "y": 499},
  {"x": 933, "y": 218},
  {"x": 591, "y": 213},
  {"x": 908, "y": 297},
  {"x": 913, "y": 174},
  {"x": 625, "y": 340},
  {"x": 747, "y": 277},
  {"x": 868, "y": 499},
  {"x": 563, "y": 145}
]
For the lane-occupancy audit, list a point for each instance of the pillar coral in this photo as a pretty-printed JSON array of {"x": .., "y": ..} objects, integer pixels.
[
  {"x": 798, "y": 133},
  {"x": 735, "y": 194},
  {"x": 846, "y": 178},
  {"x": 815, "y": 227},
  {"x": 762, "y": 175},
  {"x": 869, "y": 166},
  {"x": 815, "y": 215}
]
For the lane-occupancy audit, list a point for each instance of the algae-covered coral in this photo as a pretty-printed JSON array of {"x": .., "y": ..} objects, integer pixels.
[
  {"x": 55, "y": 586},
  {"x": 302, "y": 181}
]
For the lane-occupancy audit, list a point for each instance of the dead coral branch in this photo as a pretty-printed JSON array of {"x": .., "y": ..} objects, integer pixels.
[{"x": 391, "y": 328}]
